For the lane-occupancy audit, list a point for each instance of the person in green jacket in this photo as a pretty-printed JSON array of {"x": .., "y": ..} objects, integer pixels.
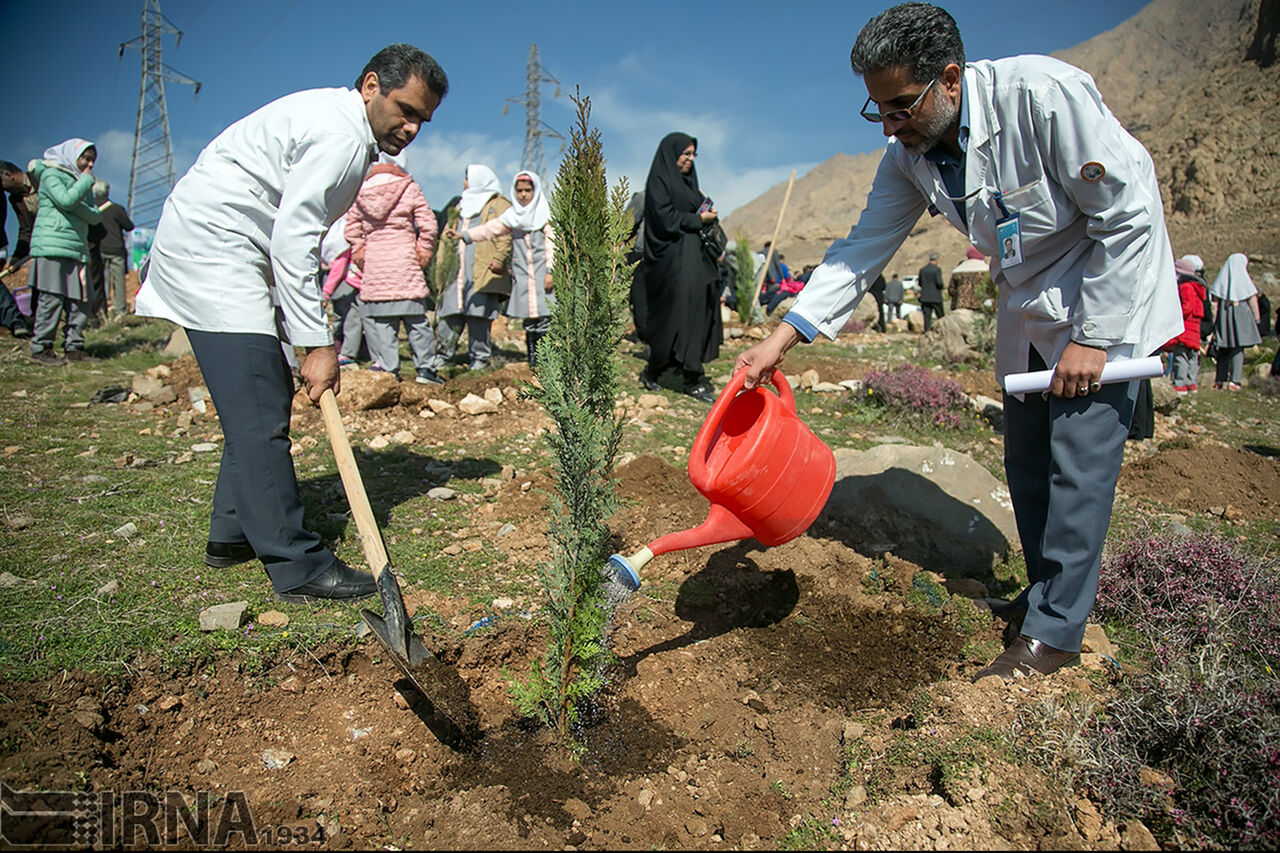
[{"x": 60, "y": 248}]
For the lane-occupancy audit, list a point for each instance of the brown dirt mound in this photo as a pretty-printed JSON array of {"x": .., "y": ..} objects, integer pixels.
[{"x": 1202, "y": 478}]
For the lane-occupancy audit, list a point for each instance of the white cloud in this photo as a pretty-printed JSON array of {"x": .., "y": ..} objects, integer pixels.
[{"x": 438, "y": 161}]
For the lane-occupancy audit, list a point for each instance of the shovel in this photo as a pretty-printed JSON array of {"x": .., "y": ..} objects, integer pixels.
[{"x": 438, "y": 682}]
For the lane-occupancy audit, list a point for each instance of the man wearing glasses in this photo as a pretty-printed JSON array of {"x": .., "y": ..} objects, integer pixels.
[{"x": 1017, "y": 152}]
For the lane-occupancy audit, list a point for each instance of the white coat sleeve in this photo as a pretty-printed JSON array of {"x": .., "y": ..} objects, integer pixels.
[
  {"x": 1076, "y": 128},
  {"x": 322, "y": 182},
  {"x": 851, "y": 265}
]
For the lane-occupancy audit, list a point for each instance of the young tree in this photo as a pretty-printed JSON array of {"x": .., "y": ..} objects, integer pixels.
[
  {"x": 577, "y": 382},
  {"x": 444, "y": 263},
  {"x": 744, "y": 276}
]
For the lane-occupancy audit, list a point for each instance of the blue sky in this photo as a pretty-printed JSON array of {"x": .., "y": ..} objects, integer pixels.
[{"x": 765, "y": 86}]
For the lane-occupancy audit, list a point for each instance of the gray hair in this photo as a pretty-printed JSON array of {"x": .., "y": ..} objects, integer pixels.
[
  {"x": 101, "y": 189},
  {"x": 396, "y": 63},
  {"x": 921, "y": 38}
]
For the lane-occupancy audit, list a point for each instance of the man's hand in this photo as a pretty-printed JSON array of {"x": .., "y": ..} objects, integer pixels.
[
  {"x": 1079, "y": 371},
  {"x": 320, "y": 371},
  {"x": 761, "y": 359}
]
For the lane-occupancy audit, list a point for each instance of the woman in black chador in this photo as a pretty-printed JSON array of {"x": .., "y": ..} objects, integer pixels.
[{"x": 680, "y": 277}]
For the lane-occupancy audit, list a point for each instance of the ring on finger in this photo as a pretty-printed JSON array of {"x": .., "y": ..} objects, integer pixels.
[
  {"x": 1095, "y": 385},
  {"x": 1083, "y": 389}
]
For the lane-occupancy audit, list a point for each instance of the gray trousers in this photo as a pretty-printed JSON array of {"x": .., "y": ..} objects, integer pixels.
[
  {"x": 1184, "y": 366},
  {"x": 49, "y": 308},
  {"x": 1062, "y": 458},
  {"x": 346, "y": 304},
  {"x": 256, "y": 498},
  {"x": 381, "y": 334},
  {"x": 449, "y": 329},
  {"x": 114, "y": 269},
  {"x": 1230, "y": 367}
]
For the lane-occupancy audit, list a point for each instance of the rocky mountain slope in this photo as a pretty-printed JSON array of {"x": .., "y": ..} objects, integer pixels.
[{"x": 1197, "y": 82}]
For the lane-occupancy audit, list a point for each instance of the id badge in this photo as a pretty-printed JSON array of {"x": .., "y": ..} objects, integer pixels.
[{"x": 1009, "y": 240}]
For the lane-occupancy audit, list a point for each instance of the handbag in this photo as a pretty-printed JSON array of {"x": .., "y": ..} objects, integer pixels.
[{"x": 714, "y": 241}]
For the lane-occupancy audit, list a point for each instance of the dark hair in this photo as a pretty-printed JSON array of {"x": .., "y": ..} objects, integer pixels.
[
  {"x": 396, "y": 63},
  {"x": 7, "y": 168},
  {"x": 916, "y": 36}
]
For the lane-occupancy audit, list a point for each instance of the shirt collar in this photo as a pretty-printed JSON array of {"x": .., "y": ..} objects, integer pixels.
[{"x": 939, "y": 154}]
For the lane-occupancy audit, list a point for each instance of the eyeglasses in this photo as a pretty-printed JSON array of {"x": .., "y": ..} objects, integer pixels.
[
  {"x": 689, "y": 154},
  {"x": 895, "y": 115}
]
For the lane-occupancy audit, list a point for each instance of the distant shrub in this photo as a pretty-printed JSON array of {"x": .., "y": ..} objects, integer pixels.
[
  {"x": 854, "y": 327},
  {"x": 918, "y": 393},
  {"x": 1192, "y": 744}
]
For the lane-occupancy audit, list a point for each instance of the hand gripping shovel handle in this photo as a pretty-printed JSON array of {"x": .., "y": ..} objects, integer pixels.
[{"x": 375, "y": 553}]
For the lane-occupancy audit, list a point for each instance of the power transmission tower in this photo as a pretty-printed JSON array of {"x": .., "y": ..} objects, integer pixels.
[
  {"x": 534, "y": 127},
  {"x": 151, "y": 176}
]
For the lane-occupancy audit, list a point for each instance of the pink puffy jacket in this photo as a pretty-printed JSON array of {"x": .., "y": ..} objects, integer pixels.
[{"x": 392, "y": 233}]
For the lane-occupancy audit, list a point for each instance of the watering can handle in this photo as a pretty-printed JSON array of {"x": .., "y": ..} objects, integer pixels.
[{"x": 722, "y": 402}]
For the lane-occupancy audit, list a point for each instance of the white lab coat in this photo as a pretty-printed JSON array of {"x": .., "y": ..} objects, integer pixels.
[
  {"x": 247, "y": 220},
  {"x": 1097, "y": 263}
]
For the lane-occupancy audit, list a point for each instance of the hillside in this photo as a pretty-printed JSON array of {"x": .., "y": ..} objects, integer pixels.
[{"x": 1196, "y": 82}]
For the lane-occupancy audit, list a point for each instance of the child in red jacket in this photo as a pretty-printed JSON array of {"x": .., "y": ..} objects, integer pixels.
[{"x": 1185, "y": 348}]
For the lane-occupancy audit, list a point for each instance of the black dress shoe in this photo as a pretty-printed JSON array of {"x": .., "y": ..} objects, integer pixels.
[
  {"x": 339, "y": 582},
  {"x": 222, "y": 555},
  {"x": 703, "y": 391},
  {"x": 647, "y": 380},
  {"x": 1028, "y": 656}
]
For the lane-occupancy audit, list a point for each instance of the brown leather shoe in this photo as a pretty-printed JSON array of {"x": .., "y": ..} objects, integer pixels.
[{"x": 1028, "y": 656}]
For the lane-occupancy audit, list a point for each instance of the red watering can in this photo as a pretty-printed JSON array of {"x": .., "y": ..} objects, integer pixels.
[{"x": 765, "y": 472}]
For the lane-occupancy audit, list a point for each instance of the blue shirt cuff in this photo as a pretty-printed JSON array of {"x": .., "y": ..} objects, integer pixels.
[{"x": 806, "y": 329}]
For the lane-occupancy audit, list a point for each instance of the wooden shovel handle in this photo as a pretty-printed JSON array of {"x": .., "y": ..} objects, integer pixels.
[{"x": 375, "y": 554}]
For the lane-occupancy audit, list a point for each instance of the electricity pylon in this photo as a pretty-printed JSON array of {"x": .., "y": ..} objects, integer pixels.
[
  {"x": 534, "y": 127},
  {"x": 151, "y": 175}
]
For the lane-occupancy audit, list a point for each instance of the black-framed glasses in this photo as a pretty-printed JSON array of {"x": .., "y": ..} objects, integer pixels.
[{"x": 895, "y": 115}]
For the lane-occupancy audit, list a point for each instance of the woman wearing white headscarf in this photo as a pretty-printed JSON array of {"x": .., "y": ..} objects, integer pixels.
[
  {"x": 483, "y": 281},
  {"x": 1235, "y": 325},
  {"x": 528, "y": 221},
  {"x": 60, "y": 247}
]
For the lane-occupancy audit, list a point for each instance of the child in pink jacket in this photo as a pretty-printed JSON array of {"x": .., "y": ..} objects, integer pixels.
[{"x": 392, "y": 233}]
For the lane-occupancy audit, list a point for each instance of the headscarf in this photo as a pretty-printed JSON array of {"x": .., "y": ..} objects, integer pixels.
[
  {"x": 1233, "y": 283},
  {"x": 1195, "y": 260},
  {"x": 67, "y": 153},
  {"x": 482, "y": 185},
  {"x": 529, "y": 217},
  {"x": 666, "y": 184}
]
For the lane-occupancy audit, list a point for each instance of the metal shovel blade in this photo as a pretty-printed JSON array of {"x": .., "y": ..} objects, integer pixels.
[{"x": 438, "y": 683}]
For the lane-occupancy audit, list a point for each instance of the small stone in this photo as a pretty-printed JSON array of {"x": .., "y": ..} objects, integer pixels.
[
  {"x": 125, "y": 531},
  {"x": 206, "y": 766},
  {"x": 809, "y": 379},
  {"x": 275, "y": 759},
  {"x": 362, "y": 630},
  {"x": 650, "y": 401},
  {"x": 89, "y": 720},
  {"x": 829, "y": 388},
  {"x": 475, "y": 405},
  {"x": 442, "y": 493},
  {"x": 19, "y": 394},
  {"x": 144, "y": 385},
  {"x": 12, "y": 449},
  {"x": 426, "y": 413},
  {"x": 1217, "y": 510},
  {"x": 183, "y": 458},
  {"x": 404, "y": 755},
  {"x": 163, "y": 396},
  {"x": 645, "y": 798},
  {"x": 226, "y": 617},
  {"x": 857, "y": 796},
  {"x": 160, "y": 371},
  {"x": 524, "y": 487},
  {"x": 577, "y": 809},
  {"x": 293, "y": 684},
  {"x": 111, "y": 587},
  {"x": 441, "y": 407},
  {"x": 399, "y": 701},
  {"x": 21, "y": 522},
  {"x": 493, "y": 395},
  {"x": 403, "y": 437},
  {"x": 503, "y": 603},
  {"x": 508, "y": 472},
  {"x": 452, "y": 550},
  {"x": 1096, "y": 641},
  {"x": 273, "y": 619},
  {"x": 472, "y": 546},
  {"x": 762, "y": 724},
  {"x": 379, "y": 442},
  {"x": 853, "y": 732},
  {"x": 506, "y": 530},
  {"x": 169, "y": 703},
  {"x": 1134, "y": 835},
  {"x": 204, "y": 447}
]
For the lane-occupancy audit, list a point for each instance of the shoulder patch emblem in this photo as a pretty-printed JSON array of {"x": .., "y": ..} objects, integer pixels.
[{"x": 1092, "y": 172}]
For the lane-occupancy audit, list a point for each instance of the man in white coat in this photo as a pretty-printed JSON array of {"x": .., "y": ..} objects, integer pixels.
[
  {"x": 1020, "y": 150},
  {"x": 240, "y": 235}
]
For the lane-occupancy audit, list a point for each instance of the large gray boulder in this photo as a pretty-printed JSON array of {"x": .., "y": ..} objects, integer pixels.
[{"x": 935, "y": 507}]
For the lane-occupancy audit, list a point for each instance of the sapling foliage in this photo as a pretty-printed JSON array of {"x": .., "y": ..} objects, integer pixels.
[
  {"x": 744, "y": 276},
  {"x": 577, "y": 382}
]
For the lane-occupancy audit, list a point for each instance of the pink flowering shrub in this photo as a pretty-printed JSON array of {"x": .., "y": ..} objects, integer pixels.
[
  {"x": 1203, "y": 709},
  {"x": 918, "y": 394}
]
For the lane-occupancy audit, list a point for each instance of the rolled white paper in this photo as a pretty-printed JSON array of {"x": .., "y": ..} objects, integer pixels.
[{"x": 1124, "y": 370}]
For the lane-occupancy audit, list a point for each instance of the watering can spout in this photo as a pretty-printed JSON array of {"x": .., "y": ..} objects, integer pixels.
[{"x": 721, "y": 526}]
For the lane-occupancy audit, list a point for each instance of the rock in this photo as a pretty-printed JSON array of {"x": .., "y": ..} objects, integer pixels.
[
  {"x": 473, "y": 405},
  {"x": 8, "y": 580},
  {"x": 178, "y": 343},
  {"x": 1154, "y": 779},
  {"x": 503, "y": 604},
  {"x": 110, "y": 394},
  {"x": 952, "y": 338},
  {"x": 645, "y": 798},
  {"x": 506, "y": 530},
  {"x": 857, "y": 796},
  {"x": 651, "y": 401},
  {"x": 111, "y": 587},
  {"x": 225, "y": 617},
  {"x": 413, "y": 395},
  {"x": 493, "y": 395},
  {"x": 142, "y": 406},
  {"x": 829, "y": 388},
  {"x": 1260, "y": 373},
  {"x": 169, "y": 703},
  {"x": 442, "y": 493},
  {"x": 452, "y": 550},
  {"x": 126, "y": 530},
  {"x": 205, "y": 766},
  {"x": 88, "y": 719},
  {"x": 1096, "y": 641},
  {"x": 364, "y": 390},
  {"x": 293, "y": 684},
  {"x": 854, "y": 386},
  {"x": 508, "y": 472},
  {"x": 197, "y": 395},
  {"x": 404, "y": 436},
  {"x": 20, "y": 522},
  {"x": 809, "y": 379},
  {"x": 1134, "y": 835},
  {"x": 273, "y": 619},
  {"x": 379, "y": 442},
  {"x": 943, "y": 510},
  {"x": 204, "y": 447},
  {"x": 577, "y": 809},
  {"x": 144, "y": 385},
  {"x": 853, "y": 732},
  {"x": 362, "y": 630},
  {"x": 1163, "y": 397},
  {"x": 276, "y": 759},
  {"x": 163, "y": 396},
  {"x": 442, "y": 407}
]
